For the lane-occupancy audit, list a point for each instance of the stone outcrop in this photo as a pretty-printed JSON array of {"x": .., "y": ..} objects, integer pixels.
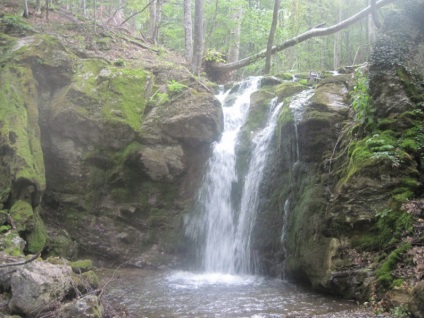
[
  {"x": 337, "y": 182},
  {"x": 92, "y": 161}
]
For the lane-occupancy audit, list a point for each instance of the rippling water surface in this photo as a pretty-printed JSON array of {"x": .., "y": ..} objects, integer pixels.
[{"x": 184, "y": 294}]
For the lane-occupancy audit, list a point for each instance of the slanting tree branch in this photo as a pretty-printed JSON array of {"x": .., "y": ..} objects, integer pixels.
[
  {"x": 315, "y": 32},
  {"x": 22, "y": 262},
  {"x": 138, "y": 12}
]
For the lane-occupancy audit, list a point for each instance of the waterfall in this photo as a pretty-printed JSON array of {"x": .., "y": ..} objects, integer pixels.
[
  {"x": 296, "y": 105},
  {"x": 215, "y": 219},
  {"x": 250, "y": 194},
  {"x": 222, "y": 232}
]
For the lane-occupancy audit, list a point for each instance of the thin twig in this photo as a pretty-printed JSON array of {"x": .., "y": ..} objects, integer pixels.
[{"x": 102, "y": 290}]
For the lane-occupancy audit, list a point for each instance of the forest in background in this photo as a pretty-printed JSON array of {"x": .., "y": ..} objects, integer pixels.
[{"x": 237, "y": 29}]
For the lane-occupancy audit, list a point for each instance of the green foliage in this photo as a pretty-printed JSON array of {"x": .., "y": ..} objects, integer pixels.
[
  {"x": 160, "y": 98},
  {"x": 16, "y": 23},
  {"x": 401, "y": 311},
  {"x": 361, "y": 102},
  {"x": 213, "y": 55},
  {"x": 175, "y": 86},
  {"x": 382, "y": 147},
  {"x": 4, "y": 228}
]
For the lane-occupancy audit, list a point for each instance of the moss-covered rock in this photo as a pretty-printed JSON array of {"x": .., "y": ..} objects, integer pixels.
[
  {"x": 119, "y": 174},
  {"x": 81, "y": 266},
  {"x": 341, "y": 204},
  {"x": 11, "y": 243}
]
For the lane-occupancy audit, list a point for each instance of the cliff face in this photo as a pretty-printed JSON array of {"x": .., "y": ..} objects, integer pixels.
[
  {"x": 337, "y": 201},
  {"x": 98, "y": 159}
]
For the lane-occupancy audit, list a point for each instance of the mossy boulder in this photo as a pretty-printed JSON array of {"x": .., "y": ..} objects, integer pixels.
[
  {"x": 288, "y": 89},
  {"x": 81, "y": 266},
  {"x": 11, "y": 243},
  {"x": 112, "y": 164}
]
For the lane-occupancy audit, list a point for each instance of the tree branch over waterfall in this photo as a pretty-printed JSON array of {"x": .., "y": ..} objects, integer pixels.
[{"x": 312, "y": 33}]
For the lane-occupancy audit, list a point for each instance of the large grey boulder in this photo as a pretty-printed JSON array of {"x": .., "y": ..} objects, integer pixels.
[{"x": 37, "y": 286}]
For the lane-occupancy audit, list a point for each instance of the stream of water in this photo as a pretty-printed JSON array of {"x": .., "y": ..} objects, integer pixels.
[{"x": 224, "y": 286}]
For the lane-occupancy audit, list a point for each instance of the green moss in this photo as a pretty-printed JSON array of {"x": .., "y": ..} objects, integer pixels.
[
  {"x": 285, "y": 117},
  {"x": 9, "y": 243},
  {"x": 289, "y": 89},
  {"x": 390, "y": 227},
  {"x": 22, "y": 215},
  {"x": 81, "y": 266},
  {"x": 37, "y": 238},
  {"x": 4, "y": 194},
  {"x": 403, "y": 194},
  {"x": 285, "y": 76},
  {"x": 4, "y": 228},
  {"x": 91, "y": 279},
  {"x": 114, "y": 93},
  {"x": 384, "y": 274},
  {"x": 127, "y": 154},
  {"x": 19, "y": 124},
  {"x": 414, "y": 92},
  {"x": 15, "y": 25},
  {"x": 386, "y": 123}
]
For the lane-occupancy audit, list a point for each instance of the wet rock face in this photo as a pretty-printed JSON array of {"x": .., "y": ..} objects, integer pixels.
[
  {"x": 118, "y": 174},
  {"x": 330, "y": 197}
]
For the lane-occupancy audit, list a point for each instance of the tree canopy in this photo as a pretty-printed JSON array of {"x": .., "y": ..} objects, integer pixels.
[{"x": 302, "y": 35}]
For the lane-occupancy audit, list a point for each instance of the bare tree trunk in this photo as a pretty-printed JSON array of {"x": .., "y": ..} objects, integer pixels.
[
  {"x": 234, "y": 47},
  {"x": 38, "y": 6},
  {"x": 84, "y": 8},
  {"x": 26, "y": 12},
  {"x": 95, "y": 16},
  {"x": 271, "y": 37},
  {"x": 152, "y": 19},
  {"x": 374, "y": 14},
  {"x": 315, "y": 32},
  {"x": 371, "y": 26},
  {"x": 47, "y": 10},
  {"x": 158, "y": 15},
  {"x": 337, "y": 44},
  {"x": 188, "y": 28},
  {"x": 198, "y": 37}
]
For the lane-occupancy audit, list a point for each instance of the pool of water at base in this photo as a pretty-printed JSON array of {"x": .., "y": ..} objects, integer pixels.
[{"x": 179, "y": 294}]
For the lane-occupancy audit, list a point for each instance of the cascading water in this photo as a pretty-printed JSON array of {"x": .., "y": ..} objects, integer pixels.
[
  {"x": 216, "y": 218},
  {"x": 296, "y": 105},
  {"x": 222, "y": 233},
  {"x": 250, "y": 194},
  {"x": 226, "y": 231}
]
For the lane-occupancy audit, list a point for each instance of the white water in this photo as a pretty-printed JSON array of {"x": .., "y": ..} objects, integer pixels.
[
  {"x": 250, "y": 194},
  {"x": 216, "y": 220},
  {"x": 223, "y": 289},
  {"x": 155, "y": 294},
  {"x": 227, "y": 232},
  {"x": 297, "y": 105}
]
